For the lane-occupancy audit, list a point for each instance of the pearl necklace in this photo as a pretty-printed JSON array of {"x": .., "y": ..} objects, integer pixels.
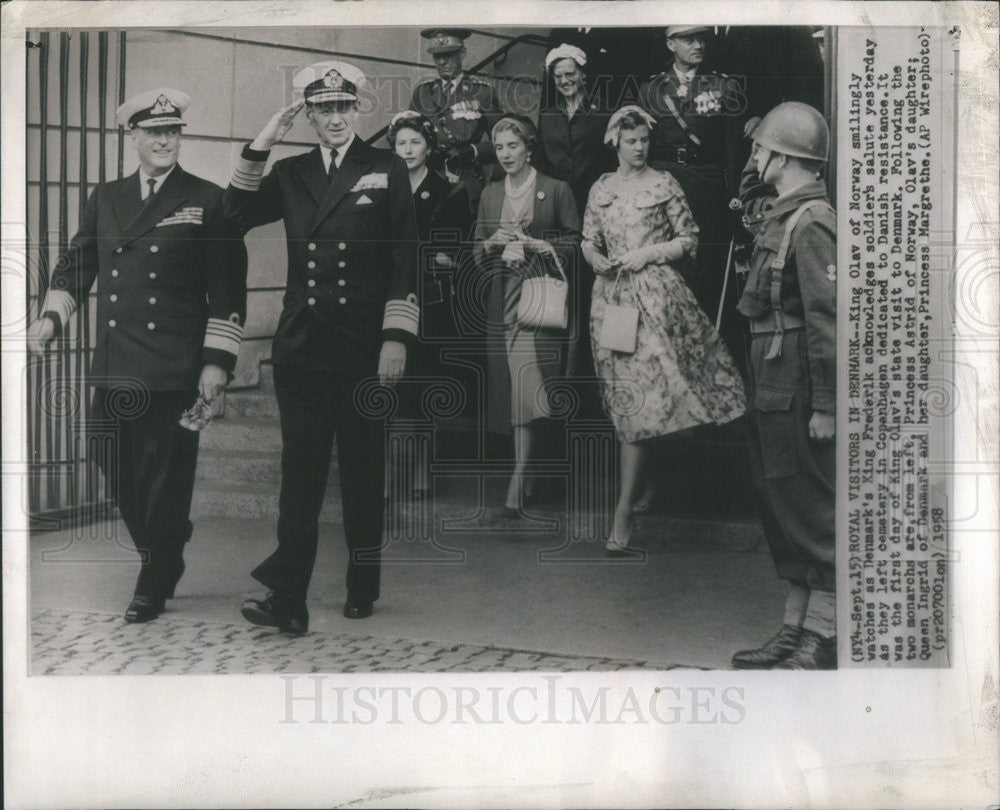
[
  {"x": 635, "y": 176},
  {"x": 523, "y": 189}
]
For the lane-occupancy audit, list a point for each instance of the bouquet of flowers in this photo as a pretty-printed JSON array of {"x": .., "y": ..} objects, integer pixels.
[{"x": 199, "y": 416}]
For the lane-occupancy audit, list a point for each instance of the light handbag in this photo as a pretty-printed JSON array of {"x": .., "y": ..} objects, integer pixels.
[
  {"x": 544, "y": 301},
  {"x": 620, "y": 328}
]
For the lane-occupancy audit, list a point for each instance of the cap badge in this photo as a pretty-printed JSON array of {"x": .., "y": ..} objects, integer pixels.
[
  {"x": 333, "y": 80},
  {"x": 163, "y": 106},
  {"x": 442, "y": 39}
]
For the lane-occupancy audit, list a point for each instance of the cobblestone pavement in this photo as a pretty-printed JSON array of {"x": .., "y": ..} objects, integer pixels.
[{"x": 92, "y": 643}]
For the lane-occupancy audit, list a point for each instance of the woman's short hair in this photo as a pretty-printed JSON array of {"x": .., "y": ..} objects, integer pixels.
[
  {"x": 410, "y": 119},
  {"x": 629, "y": 117},
  {"x": 520, "y": 125}
]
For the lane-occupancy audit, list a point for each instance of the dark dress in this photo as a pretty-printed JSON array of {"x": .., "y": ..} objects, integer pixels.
[
  {"x": 573, "y": 150},
  {"x": 444, "y": 221}
]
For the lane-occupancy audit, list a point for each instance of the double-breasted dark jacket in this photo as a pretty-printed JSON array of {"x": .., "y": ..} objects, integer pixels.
[
  {"x": 171, "y": 281},
  {"x": 352, "y": 251}
]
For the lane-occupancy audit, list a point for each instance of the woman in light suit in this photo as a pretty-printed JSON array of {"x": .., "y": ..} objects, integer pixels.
[{"x": 528, "y": 224}]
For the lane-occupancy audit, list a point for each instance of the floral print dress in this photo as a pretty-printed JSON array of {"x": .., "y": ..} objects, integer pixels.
[{"x": 681, "y": 373}]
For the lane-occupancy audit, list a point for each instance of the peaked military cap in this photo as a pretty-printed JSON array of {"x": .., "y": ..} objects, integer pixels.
[
  {"x": 328, "y": 81},
  {"x": 162, "y": 107},
  {"x": 445, "y": 40}
]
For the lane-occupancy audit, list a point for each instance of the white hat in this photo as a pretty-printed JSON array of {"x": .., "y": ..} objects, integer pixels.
[
  {"x": 328, "y": 81},
  {"x": 615, "y": 125},
  {"x": 565, "y": 52},
  {"x": 162, "y": 107}
]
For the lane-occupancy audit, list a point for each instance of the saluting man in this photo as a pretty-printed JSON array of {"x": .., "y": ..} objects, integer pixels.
[
  {"x": 171, "y": 302},
  {"x": 697, "y": 138},
  {"x": 350, "y": 309},
  {"x": 462, "y": 109},
  {"x": 790, "y": 300}
]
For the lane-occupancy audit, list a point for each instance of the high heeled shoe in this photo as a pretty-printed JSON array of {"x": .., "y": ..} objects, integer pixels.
[{"x": 619, "y": 541}]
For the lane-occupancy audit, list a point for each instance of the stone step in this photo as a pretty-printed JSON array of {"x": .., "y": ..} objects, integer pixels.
[
  {"x": 251, "y": 501},
  {"x": 249, "y": 466},
  {"x": 253, "y": 403},
  {"x": 259, "y": 435}
]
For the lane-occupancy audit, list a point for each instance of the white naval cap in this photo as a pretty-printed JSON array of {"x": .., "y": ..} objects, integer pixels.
[
  {"x": 162, "y": 107},
  {"x": 328, "y": 81}
]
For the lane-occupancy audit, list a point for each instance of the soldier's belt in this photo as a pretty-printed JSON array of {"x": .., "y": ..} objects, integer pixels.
[
  {"x": 767, "y": 325},
  {"x": 685, "y": 155}
]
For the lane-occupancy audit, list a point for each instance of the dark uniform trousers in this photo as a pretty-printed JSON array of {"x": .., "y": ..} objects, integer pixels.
[
  {"x": 171, "y": 297},
  {"x": 793, "y": 475},
  {"x": 151, "y": 475},
  {"x": 315, "y": 407},
  {"x": 352, "y": 249}
]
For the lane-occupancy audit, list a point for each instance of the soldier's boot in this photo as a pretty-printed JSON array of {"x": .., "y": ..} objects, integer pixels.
[
  {"x": 814, "y": 652},
  {"x": 775, "y": 650}
]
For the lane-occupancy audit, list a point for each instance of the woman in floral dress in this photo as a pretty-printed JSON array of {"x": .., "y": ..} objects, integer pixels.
[{"x": 637, "y": 232}]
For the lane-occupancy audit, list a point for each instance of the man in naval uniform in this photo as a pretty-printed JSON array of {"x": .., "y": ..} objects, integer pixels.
[
  {"x": 790, "y": 301},
  {"x": 171, "y": 302},
  {"x": 699, "y": 127},
  {"x": 462, "y": 109},
  {"x": 350, "y": 309}
]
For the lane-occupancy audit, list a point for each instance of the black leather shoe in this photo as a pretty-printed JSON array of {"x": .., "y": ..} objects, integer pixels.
[
  {"x": 289, "y": 615},
  {"x": 143, "y": 609},
  {"x": 774, "y": 650},
  {"x": 358, "y": 610},
  {"x": 814, "y": 652},
  {"x": 178, "y": 573}
]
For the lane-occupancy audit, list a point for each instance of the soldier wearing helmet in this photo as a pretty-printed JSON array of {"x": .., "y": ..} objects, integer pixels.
[{"x": 790, "y": 302}]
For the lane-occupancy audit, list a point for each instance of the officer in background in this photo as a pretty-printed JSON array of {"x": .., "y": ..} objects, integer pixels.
[
  {"x": 697, "y": 138},
  {"x": 790, "y": 301},
  {"x": 350, "y": 308},
  {"x": 462, "y": 109},
  {"x": 774, "y": 63},
  {"x": 171, "y": 302}
]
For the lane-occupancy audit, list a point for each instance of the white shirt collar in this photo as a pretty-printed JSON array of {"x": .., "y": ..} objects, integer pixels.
[
  {"x": 687, "y": 75},
  {"x": 158, "y": 181},
  {"x": 327, "y": 152},
  {"x": 455, "y": 83}
]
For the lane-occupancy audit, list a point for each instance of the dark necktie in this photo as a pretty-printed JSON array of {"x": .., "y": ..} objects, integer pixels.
[
  {"x": 332, "y": 171},
  {"x": 152, "y": 193}
]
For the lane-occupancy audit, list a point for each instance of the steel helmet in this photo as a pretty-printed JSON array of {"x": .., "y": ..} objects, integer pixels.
[{"x": 795, "y": 129}]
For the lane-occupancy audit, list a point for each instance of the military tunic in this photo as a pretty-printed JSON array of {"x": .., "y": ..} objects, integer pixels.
[
  {"x": 171, "y": 298},
  {"x": 464, "y": 116},
  {"x": 704, "y": 159},
  {"x": 793, "y": 474}
]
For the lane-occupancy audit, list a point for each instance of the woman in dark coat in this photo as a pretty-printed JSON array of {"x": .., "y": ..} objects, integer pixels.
[
  {"x": 571, "y": 126},
  {"x": 444, "y": 220},
  {"x": 528, "y": 226}
]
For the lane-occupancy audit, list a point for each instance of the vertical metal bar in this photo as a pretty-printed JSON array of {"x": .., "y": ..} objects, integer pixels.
[
  {"x": 63, "y": 357},
  {"x": 121, "y": 100},
  {"x": 79, "y": 381},
  {"x": 36, "y": 369},
  {"x": 102, "y": 104},
  {"x": 94, "y": 493}
]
